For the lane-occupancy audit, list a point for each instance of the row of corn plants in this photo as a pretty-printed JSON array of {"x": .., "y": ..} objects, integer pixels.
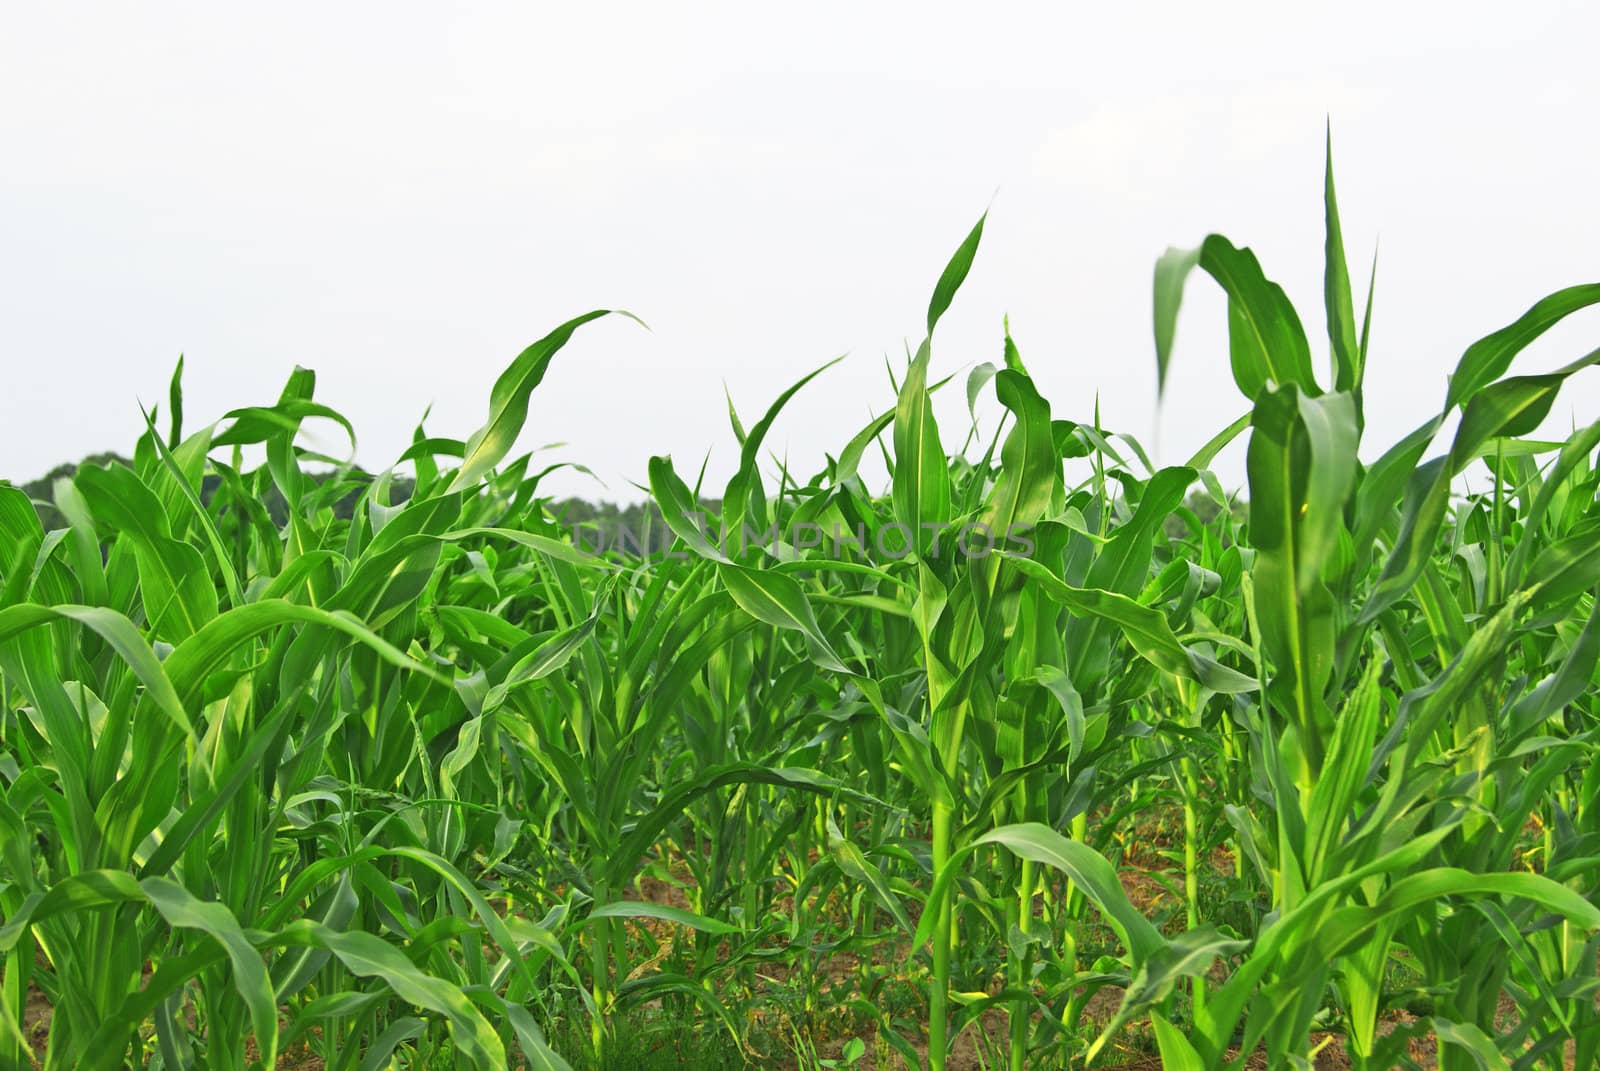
[{"x": 1034, "y": 752}]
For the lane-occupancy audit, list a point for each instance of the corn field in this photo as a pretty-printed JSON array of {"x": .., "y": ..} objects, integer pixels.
[{"x": 1029, "y": 754}]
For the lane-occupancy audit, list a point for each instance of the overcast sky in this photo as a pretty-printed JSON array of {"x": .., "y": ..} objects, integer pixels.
[{"x": 401, "y": 196}]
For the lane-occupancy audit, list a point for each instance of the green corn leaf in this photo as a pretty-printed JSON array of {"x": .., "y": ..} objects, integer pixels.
[
  {"x": 508, "y": 402},
  {"x": 1176, "y": 1052},
  {"x": 401, "y": 1030},
  {"x": 979, "y": 378},
  {"x": 184, "y": 911},
  {"x": 1030, "y": 470},
  {"x": 921, "y": 478},
  {"x": 1086, "y": 867},
  {"x": 1172, "y": 272},
  {"x": 741, "y": 499},
  {"x": 1265, "y": 340},
  {"x": 1566, "y": 568},
  {"x": 1513, "y": 406},
  {"x": 1145, "y": 628},
  {"x": 1302, "y": 466},
  {"x": 678, "y": 509},
  {"x": 175, "y": 406},
  {"x": 367, "y": 956},
  {"x": 120, "y": 634},
  {"x": 1487, "y": 359},
  {"x": 1333, "y": 798},
  {"x": 955, "y": 273},
  {"x": 1473, "y": 1041},
  {"x": 85, "y": 890},
  {"x": 673, "y": 801},
  {"x": 777, "y": 600},
  {"x": 178, "y": 592},
  {"x": 191, "y": 661},
  {"x": 859, "y": 868},
  {"x": 635, "y": 909},
  {"x": 1347, "y": 353}
]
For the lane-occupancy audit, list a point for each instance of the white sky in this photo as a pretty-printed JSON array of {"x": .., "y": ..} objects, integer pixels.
[{"x": 402, "y": 196}]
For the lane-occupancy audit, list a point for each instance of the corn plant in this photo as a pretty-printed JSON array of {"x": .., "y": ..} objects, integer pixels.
[{"x": 1035, "y": 747}]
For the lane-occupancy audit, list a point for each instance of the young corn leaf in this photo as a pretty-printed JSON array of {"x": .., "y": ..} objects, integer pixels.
[
  {"x": 955, "y": 273},
  {"x": 921, "y": 476},
  {"x": 508, "y": 402},
  {"x": 1487, "y": 359},
  {"x": 1172, "y": 272},
  {"x": 1145, "y": 628},
  {"x": 1266, "y": 343},
  {"x": 635, "y": 909},
  {"x": 1347, "y": 353},
  {"x": 1302, "y": 465},
  {"x": 778, "y": 600}
]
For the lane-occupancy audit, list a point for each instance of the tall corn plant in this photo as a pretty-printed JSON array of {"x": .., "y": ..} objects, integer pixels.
[
  {"x": 1367, "y": 821},
  {"x": 331, "y": 758},
  {"x": 210, "y": 701}
]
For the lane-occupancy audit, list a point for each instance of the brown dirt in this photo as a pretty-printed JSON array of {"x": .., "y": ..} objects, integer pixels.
[{"x": 36, "y": 1020}]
